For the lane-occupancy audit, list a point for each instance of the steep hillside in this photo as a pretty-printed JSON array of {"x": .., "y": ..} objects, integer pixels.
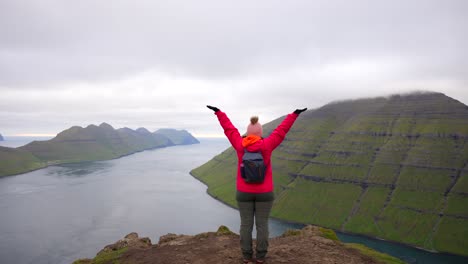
[
  {"x": 1, "y": 137},
  {"x": 15, "y": 161},
  {"x": 78, "y": 144},
  {"x": 178, "y": 137},
  {"x": 393, "y": 168},
  {"x": 91, "y": 143}
]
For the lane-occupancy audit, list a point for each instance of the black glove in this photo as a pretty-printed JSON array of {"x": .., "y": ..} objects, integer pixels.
[
  {"x": 215, "y": 109},
  {"x": 298, "y": 111}
]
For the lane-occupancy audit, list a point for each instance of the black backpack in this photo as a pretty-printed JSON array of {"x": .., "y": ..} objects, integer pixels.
[{"x": 253, "y": 167}]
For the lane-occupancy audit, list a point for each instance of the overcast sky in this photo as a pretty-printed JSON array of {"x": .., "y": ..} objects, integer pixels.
[{"x": 157, "y": 63}]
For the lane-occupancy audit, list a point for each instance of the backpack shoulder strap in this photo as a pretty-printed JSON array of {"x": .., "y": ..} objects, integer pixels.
[
  {"x": 251, "y": 155},
  {"x": 246, "y": 151}
]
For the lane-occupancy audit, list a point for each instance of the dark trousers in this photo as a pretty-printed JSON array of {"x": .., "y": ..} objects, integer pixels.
[{"x": 254, "y": 206}]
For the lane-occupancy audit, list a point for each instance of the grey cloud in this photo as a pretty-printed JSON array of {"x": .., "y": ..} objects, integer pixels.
[
  {"x": 47, "y": 41},
  {"x": 149, "y": 63}
]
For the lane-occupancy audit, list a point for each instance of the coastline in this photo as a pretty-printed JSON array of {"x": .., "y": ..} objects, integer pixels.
[
  {"x": 46, "y": 164},
  {"x": 214, "y": 197}
]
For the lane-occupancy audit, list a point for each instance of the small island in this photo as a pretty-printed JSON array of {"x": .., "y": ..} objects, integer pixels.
[{"x": 92, "y": 143}]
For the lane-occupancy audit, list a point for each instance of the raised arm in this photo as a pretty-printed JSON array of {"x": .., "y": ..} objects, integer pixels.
[
  {"x": 278, "y": 135},
  {"x": 230, "y": 130}
]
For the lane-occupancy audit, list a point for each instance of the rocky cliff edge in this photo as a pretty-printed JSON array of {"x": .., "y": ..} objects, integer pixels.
[{"x": 309, "y": 245}]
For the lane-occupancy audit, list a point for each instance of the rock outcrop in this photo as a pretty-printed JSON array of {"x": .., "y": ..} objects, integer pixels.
[{"x": 309, "y": 245}]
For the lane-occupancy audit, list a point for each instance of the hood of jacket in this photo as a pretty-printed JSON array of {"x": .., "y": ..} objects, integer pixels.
[{"x": 252, "y": 142}]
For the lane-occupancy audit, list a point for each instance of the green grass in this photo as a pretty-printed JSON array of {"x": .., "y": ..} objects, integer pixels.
[
  {"x": 224, "y": 230},
  {"x": 383, "y": 173},
  {"x": 286, "y": 165},
  {"x": 347, "y": 141},
  {"x": 363, "y": 220},
  {"x": 328, "y": 233},
  {"x": 441, "y": 153},
  {"x": 421, "y": 200},
  {"x": 15, "y": 161},
  {"x": 457, "y": 205},
  {"x": 378, "y": 256},
  {"x": 407, "y": 226},
  {"x": 441, "y": 127},
  {"x": 281, "y": 182},
  {"x": 323, "y": 204},
  {"x": 109, "y": 257},
  {"x": 462, "y": 183},
  {"x": 68, "y": 152},
  {"x": 341, "y": 157},
  {"x": 451, "y": 236},
  {"x": 394, "y": 150},
  {"x": 289, "y": 152},
  {"x": 425, "y": 179},
  {"x": 403, "y": 125},
  {"x": 335, "y": 171}
]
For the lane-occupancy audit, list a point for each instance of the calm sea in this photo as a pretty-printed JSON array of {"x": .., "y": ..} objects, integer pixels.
[{"x": 62, "y": 213}]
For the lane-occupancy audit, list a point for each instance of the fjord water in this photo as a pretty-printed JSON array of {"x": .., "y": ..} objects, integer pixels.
[{"x": 62, "y": 213}]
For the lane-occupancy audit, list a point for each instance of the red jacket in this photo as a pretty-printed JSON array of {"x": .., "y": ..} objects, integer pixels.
[{"x": 265, "y": 145}]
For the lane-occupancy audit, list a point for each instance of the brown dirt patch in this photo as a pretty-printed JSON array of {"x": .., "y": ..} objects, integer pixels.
[{"x": 306, "y": 246}]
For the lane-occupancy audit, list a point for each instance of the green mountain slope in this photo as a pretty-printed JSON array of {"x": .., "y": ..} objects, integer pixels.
[
  {"x": 78, "y": 144},
  {"x": 393, "y": 168},
  {"x": 178, "y": 137},
  {"x": 14, "y": 161}
]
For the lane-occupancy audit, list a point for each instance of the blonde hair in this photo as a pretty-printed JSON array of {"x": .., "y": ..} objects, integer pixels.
[{"x": 254, "y": 120}]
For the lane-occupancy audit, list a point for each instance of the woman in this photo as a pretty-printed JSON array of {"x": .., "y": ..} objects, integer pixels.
[{"x": 255, "y": 199}]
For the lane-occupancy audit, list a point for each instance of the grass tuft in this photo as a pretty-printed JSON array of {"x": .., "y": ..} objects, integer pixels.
[
  {"x": 223, "y": 230},
  {"x": 109, "y": 257},
  {"x": 328, "y": 233}
]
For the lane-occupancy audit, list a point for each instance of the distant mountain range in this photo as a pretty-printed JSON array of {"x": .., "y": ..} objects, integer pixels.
[
  {"x": 394, "y": 167},
  {"x": 92, "y": 143}
]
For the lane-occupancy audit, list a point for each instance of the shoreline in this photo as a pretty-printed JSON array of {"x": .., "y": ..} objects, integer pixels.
[
  {"x": 342, "y": 232},
  {"x": 84, "y": 161}
]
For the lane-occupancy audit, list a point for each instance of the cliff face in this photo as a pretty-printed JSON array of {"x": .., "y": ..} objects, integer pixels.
[
  {"x": 394, "y": 168},
  {"x": 309, "y": 245},
  {"x": 1, "y": 137}
]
